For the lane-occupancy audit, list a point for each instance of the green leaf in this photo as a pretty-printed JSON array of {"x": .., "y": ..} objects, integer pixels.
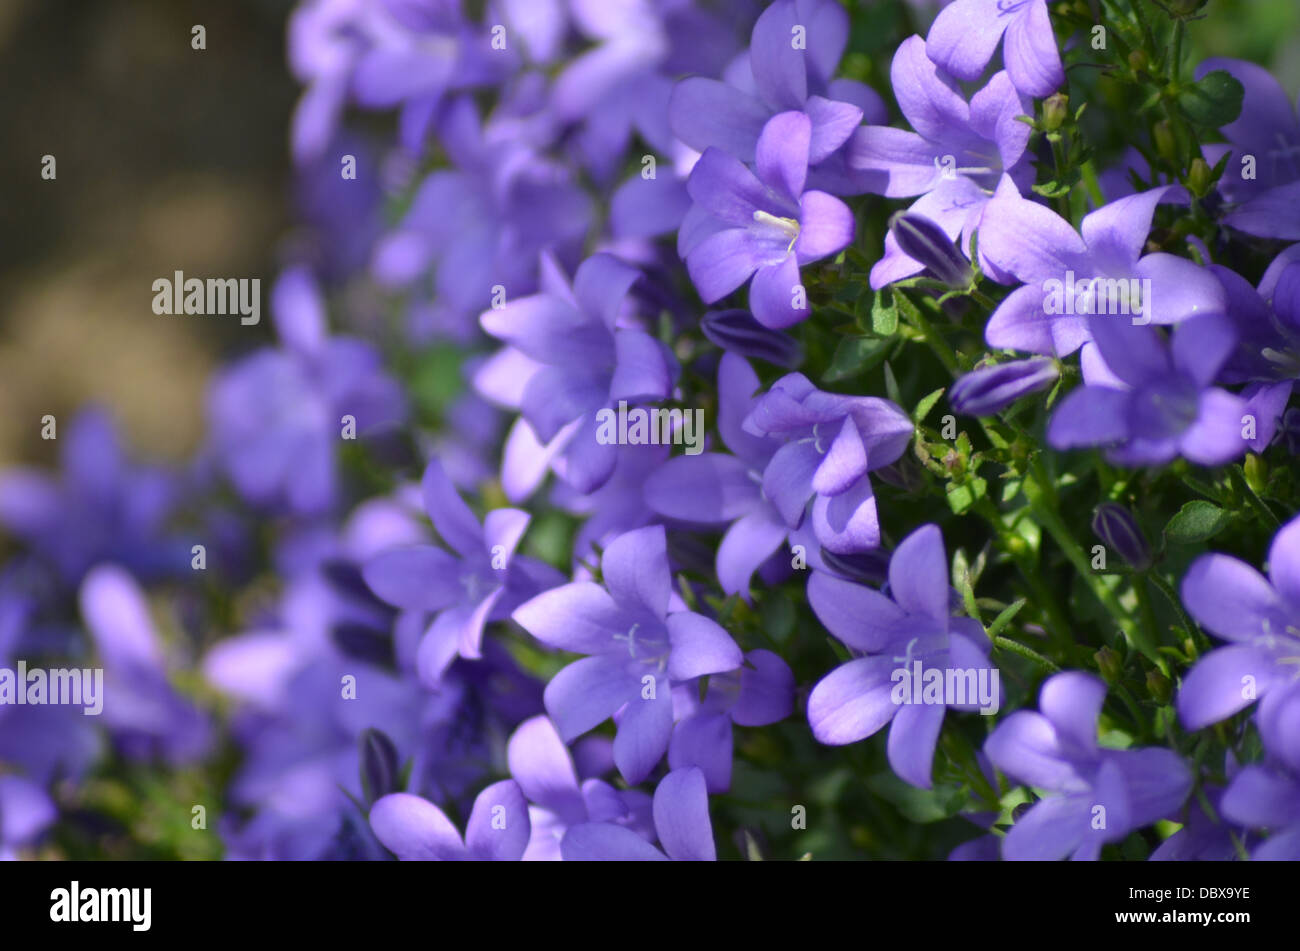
[
  {"x": 855, "y": 355},
  {"x": 778, "y": 617},
  {"x": 918, "y": 805},
  {"x": 1195, "y": 522},
  {"x": 960, "y": 498},
  {"x": 927, "y": 403},
  {"x": 891, "y": 385},
  {"x": 1213, "y": 101}
]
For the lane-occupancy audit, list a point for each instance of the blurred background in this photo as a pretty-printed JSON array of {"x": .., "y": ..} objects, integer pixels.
[{"x": 167, "y": 158}]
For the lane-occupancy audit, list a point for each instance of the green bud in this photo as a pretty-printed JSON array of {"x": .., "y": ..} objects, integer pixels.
[
  {"x": 1137, "y": 61},
  {"x": 1256, "y": 472},
  {"x": 1158, "y": 686},
  {"x": 1109, "y": 663},
  {"x": 1166, "y": 145},
  {"x": 1056, "y": 108},
  {"x": 1200, "y": 177}
]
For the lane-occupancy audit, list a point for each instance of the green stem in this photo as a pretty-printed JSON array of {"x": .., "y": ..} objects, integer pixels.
[
  {"x": 1028, "y": 652},
  {"x": 1193, "y": 629},
  {"x": 1253, "y": 500}
]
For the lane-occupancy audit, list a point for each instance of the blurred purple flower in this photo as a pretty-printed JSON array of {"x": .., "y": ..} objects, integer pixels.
[{"x": 414, "y": 829}]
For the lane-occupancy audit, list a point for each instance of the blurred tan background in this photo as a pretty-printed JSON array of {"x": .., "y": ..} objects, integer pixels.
[{"x": 168, "y": 158}]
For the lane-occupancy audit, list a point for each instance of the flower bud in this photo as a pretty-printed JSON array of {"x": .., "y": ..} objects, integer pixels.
[
  {"x": 925, "y": 242},
  {"x": 1119, "y": 531},
  {"x": 736, "y": 331},
  {"x": 991, "y": 389},
  {"x": 1159, "y": 687},
  {"x": 1137, "y": 61},
  {"x": 1056, "y": 108},
  {"x": 1109, "y": 664},
  {"x": 1200, "y": 177},
  {"x": 1166, "y": 145}
]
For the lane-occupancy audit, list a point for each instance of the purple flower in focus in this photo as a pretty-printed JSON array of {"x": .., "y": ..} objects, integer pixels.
[
  {"x": 758, "y": 694},
  {"x": 831, "y": 443},
  {"x": 277, "y": 416},
  {"x": 637, "y": 644},
  {"x": 681, "y": 817},
  {"x": 1025, "y": 241},
  {"x": 911, "y": 625},
  {"x": 764, "y": 226},
  {"x": 572, "y": 351},
  {"x": 415, "y": 830},
  {"x": 1261, "y": 618},
  {"x": 545, "y": 771},
  {"x": 713, "y": 487},
  {"x": 1262, "y": 177},
  {"x": 483, "y": 581},
  {"x": 965, "y": 35},
  {"x": 1103, "y": 795},
  {"x": 1152, "y": 401},
  {"x": 955, "y": 159}
]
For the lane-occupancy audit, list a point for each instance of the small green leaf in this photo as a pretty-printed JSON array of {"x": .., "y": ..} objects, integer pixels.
[
  {"x": 891, "y": 385},
  {"x": 1195, "y": 522},
  {"x": 927, "y": 403}
]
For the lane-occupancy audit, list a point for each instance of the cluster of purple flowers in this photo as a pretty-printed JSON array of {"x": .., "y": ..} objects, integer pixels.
[{"x": 381, "y": 692}]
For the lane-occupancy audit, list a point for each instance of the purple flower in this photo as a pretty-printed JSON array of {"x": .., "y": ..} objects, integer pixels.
[
  {"x": 1267, "y": 796},
  {"x": 483, "y": 223},
  {"x": 1203, "y": 837},
  {"x": 545, "y": 770},
  {"x": 278, "y": 416},
  {"x": 1153, "y": 401},
  {"x": 681, "y": 817},
  {"x": 1103, "y": 795},
  {"x": 637, "y": 647},
  {"x": 146, "y": 716},
  {"x": 25, "y": 812},
  {"x": 1262, "y": 177},
  {"x": 713, "y": 487},
  {"x": 965, "y": 34},
  {"x": 483, "y": 581},
  {"x": 911, "y": 626},
  {"x": 765, "y": 226},
  {"x": 831, "y": 443},
  {"x": 1115, "y": 525},
  {"x": 1259, "y": 616},
  {"x": 989, "y": 390},
  {"x": 571, "y": 353},
  {"x": 758, "y": 694},
  {"x": 780, "y": 74},
  {"x": 1070, "y": 274},
  {"x": 415, "y": 830},
  {"x": 955, "y": 159},
  {"x": 100, "y": 508}
]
